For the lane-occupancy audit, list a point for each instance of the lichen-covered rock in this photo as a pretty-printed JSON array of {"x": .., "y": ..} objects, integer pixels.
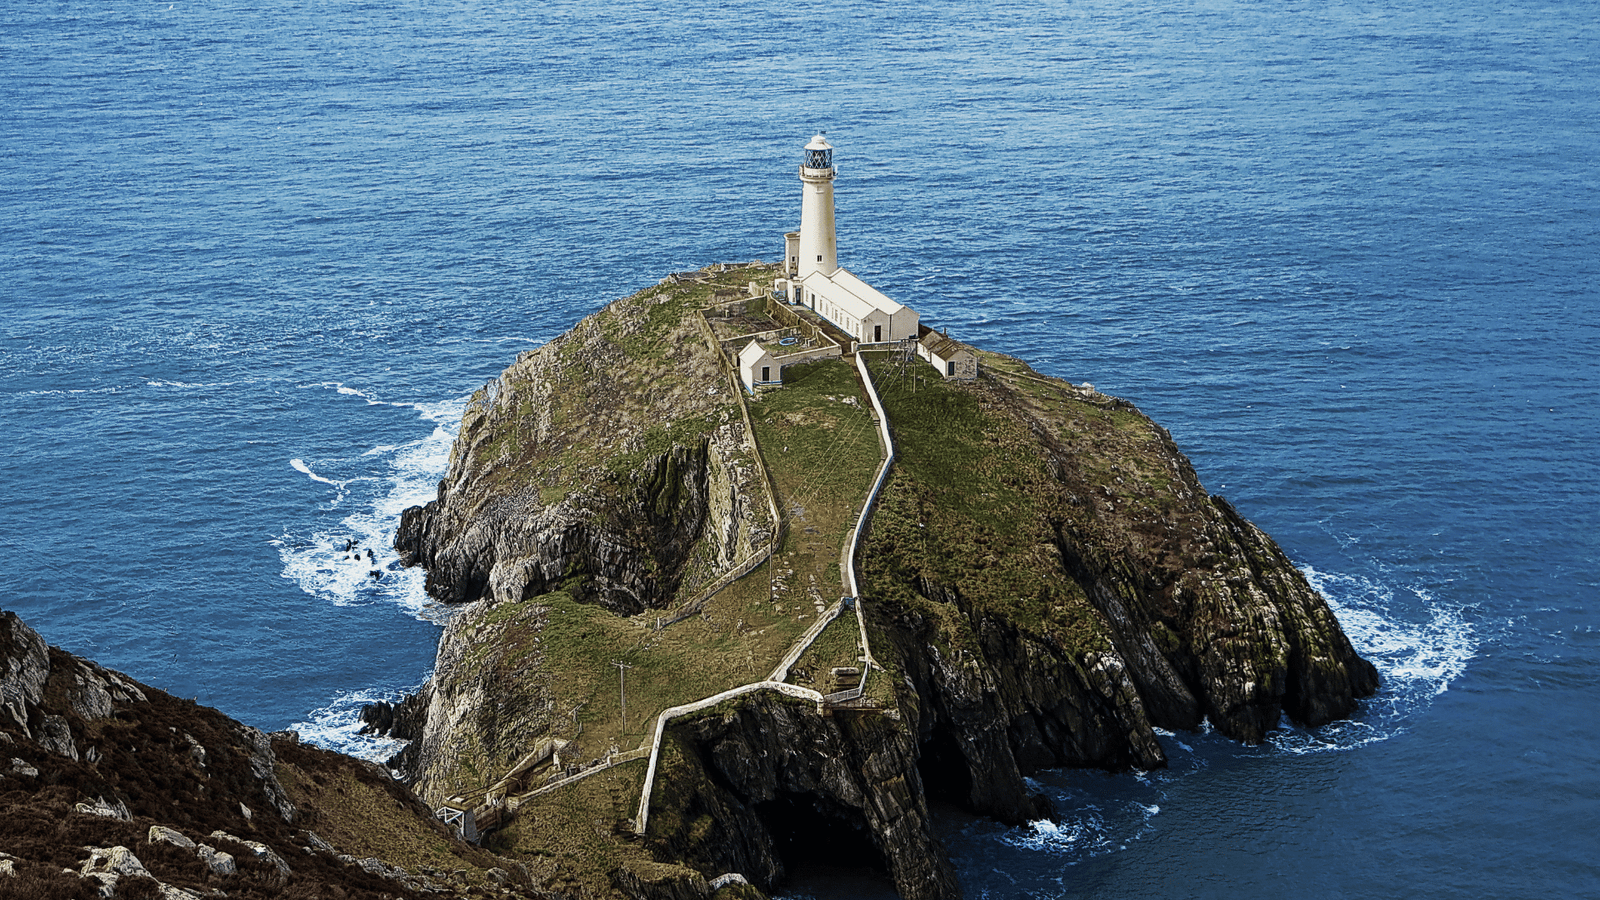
[
  {"x": 118, "y": 861},
  {"x": 217, "y": 861},
  {"x": 24, "y": 667},
  {"x": 112, "y": 809},
  {"x": 161, "y": 834},
  {"x": 259, "y": 850}
]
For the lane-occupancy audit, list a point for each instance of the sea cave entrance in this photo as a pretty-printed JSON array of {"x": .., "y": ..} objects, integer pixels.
[
  {"x": 946, "y": 775},
  {"x": 813, "y": 843}
]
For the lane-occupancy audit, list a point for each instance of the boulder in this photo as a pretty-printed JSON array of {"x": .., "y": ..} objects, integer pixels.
[
  {"x": 55, "y": 735},
  {"x": 263, "y": 762},
  {"x": 260, "y": 850},
  {"x": 161, "y": 834},
  {"x": 24, "y": 667},
  {"x": 118, "y": 861},
  {"x": 99, "y": 806},
  {"x": 217, "y": 861}
]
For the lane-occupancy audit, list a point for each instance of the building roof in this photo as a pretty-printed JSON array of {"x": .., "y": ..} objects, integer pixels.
[
  {"x": 850, "y": 293},
  {"x": 940, "y": 345},
  {"x": 820, "y": 142},
  {"x": 746, "y": 357}
]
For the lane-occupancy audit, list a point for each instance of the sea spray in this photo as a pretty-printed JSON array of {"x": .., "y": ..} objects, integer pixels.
[{"x": 353, "y": 561}]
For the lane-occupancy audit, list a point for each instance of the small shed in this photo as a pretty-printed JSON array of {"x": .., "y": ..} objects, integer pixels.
[
  {"x": 953, "y": 359},
  {"x": 758, "y": 367}
]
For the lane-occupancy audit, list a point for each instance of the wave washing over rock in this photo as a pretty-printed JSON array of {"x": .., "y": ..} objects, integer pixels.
[
  {"x": 355, "y": 562},
  {"x": 1417, "y": 659}
]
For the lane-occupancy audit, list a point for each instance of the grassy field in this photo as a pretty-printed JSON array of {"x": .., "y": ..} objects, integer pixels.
[
  {"x": 365, "y": 819},
  {"x": 838, "y": 645},
  {"x": 571, "y": 839},
  {"x": 818, "y": 439},
  {"x": 963, "y": 511},
  {"x": 627, "y": 381}
]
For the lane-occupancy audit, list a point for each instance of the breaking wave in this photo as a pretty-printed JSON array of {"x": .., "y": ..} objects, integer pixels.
[
  {"x": 354, "y": 562},
  {"x": 337, "y": 726},
  {"x": 1419, "y": 646}
]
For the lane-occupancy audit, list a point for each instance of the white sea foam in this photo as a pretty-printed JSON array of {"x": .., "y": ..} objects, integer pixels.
[
  {"x": 54, "y": 392},
  {"x": 337, "y": 726},
  {"x": 1082, "y": 835},
  {"x": 299, "y": 465},
  {"x": 190, "y": 384},
  {"x": 1173, "y": 737},
  {"x": 1090, "y": 830},
  {"x": 354, "y": 562},
  {"x": 1418, "y": 644}
]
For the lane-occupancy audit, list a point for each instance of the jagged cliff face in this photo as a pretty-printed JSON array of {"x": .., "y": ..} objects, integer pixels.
[
  {"x": 1046, "y": 583},
  {"x": 611, "y": 465},
  {"x": 772, "y": 778},
  {"x": 610, "y": 462},
  {"x": 1082, "y": 590}
]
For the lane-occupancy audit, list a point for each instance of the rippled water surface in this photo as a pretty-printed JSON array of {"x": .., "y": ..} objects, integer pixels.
[{"x": 253, "y": 258}]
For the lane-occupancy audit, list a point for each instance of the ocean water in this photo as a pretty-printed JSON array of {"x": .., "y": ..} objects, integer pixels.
[{"x": 254, "y": 257}]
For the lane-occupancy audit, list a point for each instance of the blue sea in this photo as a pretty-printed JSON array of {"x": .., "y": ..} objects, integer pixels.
[{"x": 254, "y": 257}]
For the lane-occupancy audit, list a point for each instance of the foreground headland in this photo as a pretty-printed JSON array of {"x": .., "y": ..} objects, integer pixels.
[{"x": 712, "y": 634}]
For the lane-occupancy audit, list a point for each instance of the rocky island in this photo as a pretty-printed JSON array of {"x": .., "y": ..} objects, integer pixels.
[
  {"x": 710, "y": 633},
  {"x": 1041, "y": 581}
]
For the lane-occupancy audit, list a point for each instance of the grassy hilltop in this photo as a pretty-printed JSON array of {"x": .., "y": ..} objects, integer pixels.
[{"x": 1043, "y": 582}]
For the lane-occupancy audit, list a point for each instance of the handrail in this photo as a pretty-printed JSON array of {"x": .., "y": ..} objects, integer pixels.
[
  {"x": 642, "y": 820},
  {"x": 849, "y": 694},
  {"x": 872, "y": 499}
]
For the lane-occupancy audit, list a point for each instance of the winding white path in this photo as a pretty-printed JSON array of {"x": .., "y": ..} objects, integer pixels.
[{"x": 776, "y": 680}]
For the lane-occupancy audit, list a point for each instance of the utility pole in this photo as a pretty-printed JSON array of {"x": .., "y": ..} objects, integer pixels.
[{"x": 622, "y": 690}]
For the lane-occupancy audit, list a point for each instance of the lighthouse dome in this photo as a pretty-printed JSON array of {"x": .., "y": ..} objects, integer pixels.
[{"x": 819, "y": 153}]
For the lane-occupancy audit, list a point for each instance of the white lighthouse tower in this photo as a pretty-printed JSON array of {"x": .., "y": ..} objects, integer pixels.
[{"x": 818, "y": 249}]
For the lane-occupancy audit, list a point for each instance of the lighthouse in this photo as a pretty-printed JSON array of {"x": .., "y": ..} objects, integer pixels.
[
  {"x": 818, "y": 249},
  {"x": 813, "y": 286},
  {"x": 812, "y": 277}
]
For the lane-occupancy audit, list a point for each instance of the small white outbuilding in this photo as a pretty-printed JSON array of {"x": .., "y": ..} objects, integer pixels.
[
  {"x": 953, "y": 359},
  {"x": 757, "y": 367}
]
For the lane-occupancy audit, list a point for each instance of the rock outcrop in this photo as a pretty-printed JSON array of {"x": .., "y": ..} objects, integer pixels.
[
  {"x": 1086, "y": 592},
  {"x": 1046, "y": 581},
  {"x": 107, "y": 787},
  {"x": 772, "y": 779},
  {"x": 578, "y": 469}
]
